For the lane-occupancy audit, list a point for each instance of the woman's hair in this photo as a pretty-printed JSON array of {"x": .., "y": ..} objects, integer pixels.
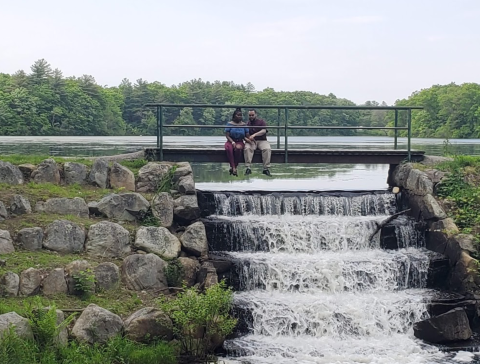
[{"x": 235, "y": 112}]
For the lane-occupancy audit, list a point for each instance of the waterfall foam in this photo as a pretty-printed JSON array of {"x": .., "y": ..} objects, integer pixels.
[{"x": 315, "y": 285}]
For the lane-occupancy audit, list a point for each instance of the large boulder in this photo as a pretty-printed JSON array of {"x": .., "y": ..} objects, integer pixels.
[
  {"x": 96, "y": 325},
  {"x": 62, "y": 337},
  {"x": 194, "y": 239},
  {"x": 186, "y": 185},
  {"x": 9, "y": 285},
  {"x": 122, "y": 177},
  {"x": 191, "y": 267},
  {"x": 64, "y": 206},
  {"x": 10, "y": 174},
  {"x": 55, "y": 282},
  {"x": 19, "y": 205},
  {"x": 151, "y": 175},
  {"x": 30, "y": 238},
  {"x": 144, "y": 272},
  {"x": 183, "y": 169},
  {"x": 47, "y": 172},
  {"x": 75, "y": 173},
  {"x": 6, "y": 243},
  {"x": 21, "y": 326},
  {"x": 124, "y": 207},
  {"x": 162, "y": 209},
  {"x": 207, "y": 276},
  {"x": 418, "y": 183},
  {"x": 158, "y": 240},
  {"x": 99, "y": 173},
  {"x": 30, "y": 281},
  {"x": 448, "y": 327},
  {"x": 108, "y": 240},
  {"x": 148, "y": 324},
  {"x": 27, "y": 169},
  {"x": 4, "y": 212},
  {"x": 186, "y": 208},
  {"x": 431, "y": 209},
  {"x": 107, "y": 276},
  {"x": 64, "y": 236}
]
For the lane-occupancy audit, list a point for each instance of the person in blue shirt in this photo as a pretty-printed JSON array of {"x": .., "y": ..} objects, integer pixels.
[{"x": 235, "y": 140}]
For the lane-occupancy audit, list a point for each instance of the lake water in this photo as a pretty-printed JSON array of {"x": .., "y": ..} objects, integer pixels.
[{"x": 215, "y": 176}]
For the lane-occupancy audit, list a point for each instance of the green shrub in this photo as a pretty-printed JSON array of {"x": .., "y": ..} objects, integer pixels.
[
  {"x": 14, "y": 350},
  {"x": 84, "y": 283},
  {"x": 174, "y": 273},
  {"x": 166, "y": 183},
  {"x": 201, "y": 320}
]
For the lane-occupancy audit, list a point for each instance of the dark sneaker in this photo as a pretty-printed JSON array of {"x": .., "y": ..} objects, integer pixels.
[
  {"x": 248, "y": 171},
  {"x": 267, "y": 172}
]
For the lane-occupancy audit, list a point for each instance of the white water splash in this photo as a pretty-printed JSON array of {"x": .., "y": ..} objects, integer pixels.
[
  {"x": 305, "y": 204},
  {"x": 372, "y": 270}
]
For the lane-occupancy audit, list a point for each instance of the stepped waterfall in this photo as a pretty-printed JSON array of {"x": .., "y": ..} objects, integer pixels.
[{"x": 314, "y": 283}]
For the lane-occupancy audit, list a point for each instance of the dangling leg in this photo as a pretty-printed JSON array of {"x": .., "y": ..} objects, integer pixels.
[{"x": 230, "y": 157}]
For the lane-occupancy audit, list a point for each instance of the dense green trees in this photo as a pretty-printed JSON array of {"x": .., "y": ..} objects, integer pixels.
[{"x": 44, "y": 102}]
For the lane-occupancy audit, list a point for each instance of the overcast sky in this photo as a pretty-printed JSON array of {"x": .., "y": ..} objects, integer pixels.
[{"x": 361, "y": 50}]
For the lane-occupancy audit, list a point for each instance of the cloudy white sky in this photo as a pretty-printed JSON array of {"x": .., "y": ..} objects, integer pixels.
[{"x": 362, "y": 50}]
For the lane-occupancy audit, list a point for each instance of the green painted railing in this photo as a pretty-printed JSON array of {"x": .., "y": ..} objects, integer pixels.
[{"x": 161, "y": 107}]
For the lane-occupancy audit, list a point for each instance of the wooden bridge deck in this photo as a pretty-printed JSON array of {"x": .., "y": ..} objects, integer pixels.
[{"x": 343, "y": 156}]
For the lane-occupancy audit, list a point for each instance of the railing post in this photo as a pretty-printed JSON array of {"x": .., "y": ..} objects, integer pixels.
[
  {"x": 286, "y": 135},
  {"x": 278, "y": 130},
  {"x": 409, "y": 121},
  {"x": 160, "y": 132},
  {"x": 396, "y": 124}
]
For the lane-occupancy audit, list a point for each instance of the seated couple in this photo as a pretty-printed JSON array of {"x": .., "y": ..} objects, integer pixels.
[{"x": 247, "y": 140}]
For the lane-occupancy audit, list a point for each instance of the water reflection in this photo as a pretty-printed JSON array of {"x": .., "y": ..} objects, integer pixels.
[{"x": 214, "y": 176}]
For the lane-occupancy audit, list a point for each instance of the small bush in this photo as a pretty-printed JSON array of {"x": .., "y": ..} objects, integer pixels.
[
  {"x": 84, "y": 283},
  {"x": 174, "y": 273},
  {"x": 201, "y": 320}
]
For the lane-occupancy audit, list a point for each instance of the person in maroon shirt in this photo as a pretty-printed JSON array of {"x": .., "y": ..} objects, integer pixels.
[{"x": 257, "y": 140}]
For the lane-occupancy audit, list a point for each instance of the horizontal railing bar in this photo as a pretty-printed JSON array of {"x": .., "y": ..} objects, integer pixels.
[
  {"x": 292, "y": 107},
  {"x": 288, "y": 127}
]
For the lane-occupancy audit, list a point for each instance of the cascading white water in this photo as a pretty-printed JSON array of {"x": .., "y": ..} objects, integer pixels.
[{"x": 315, "y": 286}]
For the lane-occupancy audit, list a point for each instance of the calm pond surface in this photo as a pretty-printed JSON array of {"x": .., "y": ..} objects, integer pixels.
[{"x": 215, "y": 176}]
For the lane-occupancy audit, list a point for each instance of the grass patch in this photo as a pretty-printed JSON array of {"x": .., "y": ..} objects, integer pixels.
[
  {"x": 120, "y": 301},
  {"x": 461, "y": 189},
  {"x": 42, "y": 259},
  {"x": 37, "y": 159},
  {"x": 43, "y": 191},
  {"x": 134, "y": 165}
]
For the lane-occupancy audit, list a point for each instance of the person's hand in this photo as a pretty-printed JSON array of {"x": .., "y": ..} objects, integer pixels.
[{"x": 252, "y": 138}]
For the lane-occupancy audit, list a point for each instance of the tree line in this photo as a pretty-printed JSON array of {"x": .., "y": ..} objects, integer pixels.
[{"x": 44, "y": 102}]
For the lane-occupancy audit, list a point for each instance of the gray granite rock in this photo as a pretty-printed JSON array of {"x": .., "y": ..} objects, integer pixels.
[
  {"x": 55, "y": 282},
  {"x": 144, "y": 272},
  {"x": 107, "y": 239},
  {"x": 47, "y": 172},
  {"x": 10, "y": 174},
  {"x": 96, "y": 325},
  {"x": 194, "y": 239},
  {"x": 162, "y": 209},
  {"x": 99, "y": 173},
  {"x": 6, "y": 242},
  {"x": 147, "y": 325},
  {"x": 186, "y": 208},
  {"x": 9, "y": 285},
  {"x": 158, "y": 240},
  {"x": 4, "y": 212},
  {"x": 124, "y": 207},
  {"x": 122, "y": 177},
  {"x": 107, "y": 276},
  {"x": 20, "y": 205},
  {"x": 151, "y": 175},
  {"x": 30, "y": 238},
  {"x": 64, "y": 206},
  {"x": 75, "y": 173},
  {"x": 30, "y": 281},
  {"x": 64, "y": 236},
  {"x": 21, "y": 326}
]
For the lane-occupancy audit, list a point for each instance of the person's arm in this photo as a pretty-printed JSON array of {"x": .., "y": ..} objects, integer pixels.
[
  {"x": 229, "y": 138},
  {"x": 260, "y": 132}
]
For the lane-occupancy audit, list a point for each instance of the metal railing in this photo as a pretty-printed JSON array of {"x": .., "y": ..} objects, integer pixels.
[{"x": 161, "y": 107}]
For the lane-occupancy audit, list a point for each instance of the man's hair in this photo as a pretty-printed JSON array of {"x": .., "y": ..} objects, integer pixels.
[
  {"x": 255, "y": 111},
  {"x": 238, "y": 109}
]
